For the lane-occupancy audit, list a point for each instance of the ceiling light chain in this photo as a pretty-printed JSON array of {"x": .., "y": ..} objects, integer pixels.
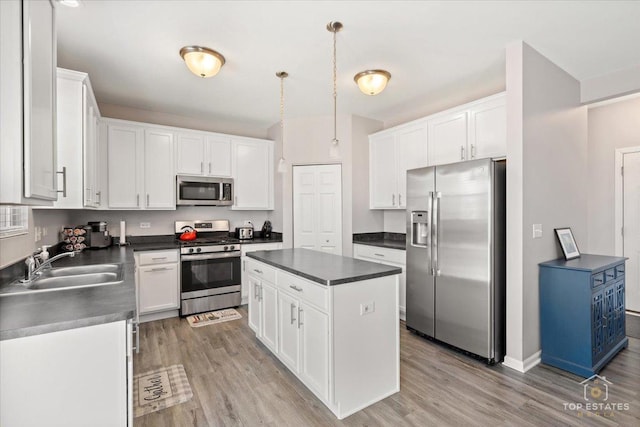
[
  {"x": 282, "y": 167},
  {"x": 334, "y": 27}
]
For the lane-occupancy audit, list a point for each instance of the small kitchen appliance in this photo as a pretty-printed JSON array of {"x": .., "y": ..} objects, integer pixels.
[
  {"x": 204, "y": 190},
  {"x": 266, "y": 230},
  {"x": 97, "y": 235},
  {"x": 210, "y": 267},
  {"x": 244, "y": 233}
]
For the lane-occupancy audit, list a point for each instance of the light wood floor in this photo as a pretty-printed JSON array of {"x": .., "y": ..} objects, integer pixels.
[{"x": 237, "y": 382}]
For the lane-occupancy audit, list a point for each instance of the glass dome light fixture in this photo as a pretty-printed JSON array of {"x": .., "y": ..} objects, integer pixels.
[
  {"x": 372, "y": 82},
  {"x": 202, "y": 61},
  {"x": 282, "y": 166}
]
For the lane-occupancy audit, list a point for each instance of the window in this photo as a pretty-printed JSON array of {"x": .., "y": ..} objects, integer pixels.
[{"x": 14, "y": 220}]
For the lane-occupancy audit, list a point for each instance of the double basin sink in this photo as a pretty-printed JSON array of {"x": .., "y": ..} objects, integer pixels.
[{"x": 82, "y": 276}]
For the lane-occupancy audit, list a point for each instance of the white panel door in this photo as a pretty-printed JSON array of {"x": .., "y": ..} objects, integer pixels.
[
  {"x": 125, "y": 158},
  {"x": 329, "y": 213},
  {"x": 411, "y": 153},
  {"x": 288, "y": 328},
  {"x": 190, "y": 151},
  {"x": 631, "y": 236},
  {"x": 488, "y": 129},
  {"x": 448, "y": 138},
  {"x": 382, "y": 175},
  {"x": 219, "y": 156},
  {"x": 314, "y": 339},
  {"x": 159, "y": 178},
  {"x": 317, "y": 208}
]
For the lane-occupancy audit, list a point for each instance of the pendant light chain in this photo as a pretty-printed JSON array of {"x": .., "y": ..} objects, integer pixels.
[
  {"x": 281, "y": 163},
  {"x": 335, "y": 91}
]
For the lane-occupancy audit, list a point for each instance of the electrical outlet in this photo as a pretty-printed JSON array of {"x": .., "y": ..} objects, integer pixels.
[
  {"x": 37, "y": 232},
  {"x": 367, "y": 308},
  {"x": 537, "y": 231},
  {"x": 44, "y": 231},
  {"x": 145, "y": 225}
]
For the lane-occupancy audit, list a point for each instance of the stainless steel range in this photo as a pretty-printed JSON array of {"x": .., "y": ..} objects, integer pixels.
[{"x": 210, "y": 265}]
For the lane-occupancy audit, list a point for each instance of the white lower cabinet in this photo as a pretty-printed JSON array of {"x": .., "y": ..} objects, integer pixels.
[
  {"x": 244, "y": 250},
  {"x": 347, "y": 358},
  {"x": 53, "y": 379},
  {"x": 392, "y": 257},
  {"x": 157, "y": 283}
]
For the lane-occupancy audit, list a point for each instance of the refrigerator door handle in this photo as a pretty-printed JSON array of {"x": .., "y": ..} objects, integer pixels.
[{"x": 435, "y": 267}]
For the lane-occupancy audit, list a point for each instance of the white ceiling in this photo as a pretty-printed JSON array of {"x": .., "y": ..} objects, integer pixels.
[{"x": 439, "y": 53}]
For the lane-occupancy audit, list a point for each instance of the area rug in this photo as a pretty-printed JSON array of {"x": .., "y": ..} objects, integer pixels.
[
  {"x": 156, "y": 390},
  {"x": 204, "y": 319},
  {"x": 633, "y": 326}
]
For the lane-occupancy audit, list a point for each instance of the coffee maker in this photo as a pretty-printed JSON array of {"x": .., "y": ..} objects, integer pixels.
[
  {"x": 266, "y": 230},
  {"x": 97, "y": 235}
]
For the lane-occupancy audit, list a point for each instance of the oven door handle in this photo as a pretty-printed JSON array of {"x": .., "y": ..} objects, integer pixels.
[{"x": 217, "y": 255}]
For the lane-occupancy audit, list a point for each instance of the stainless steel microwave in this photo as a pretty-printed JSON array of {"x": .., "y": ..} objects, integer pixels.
[{"x": 203, "y": 191}]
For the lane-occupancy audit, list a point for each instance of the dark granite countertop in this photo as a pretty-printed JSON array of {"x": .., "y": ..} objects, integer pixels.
[
  {"x": 323, "y": 268},
  {"x": 382, "y": 240},
  {"x": 23, "y": 315}
]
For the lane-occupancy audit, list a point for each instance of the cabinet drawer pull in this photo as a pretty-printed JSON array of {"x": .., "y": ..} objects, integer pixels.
[
  {"x": 160, "y": 269},
  {"x": 159, "y": 258},
  {"x": 257, "y": 271},
  {"x": 382, "y": 255},
  {"x": 295, "y": 288}
]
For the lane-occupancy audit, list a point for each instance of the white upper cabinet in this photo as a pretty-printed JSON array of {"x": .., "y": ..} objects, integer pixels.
[
  {"x": 77, "y": 149},
  {"x": 448, "y": 138},
  {"x": 141, "y": 166},
  {"x": 159, "y": 179},
  {"x": 391, "y": 154},
  {"x": 28, "y": 102},
  {"x": 472, "y": 131},
  {"x": 488, "y": 128},
  {"x": 126, "y": 152},
  {"x": 203, "y": 154},
  {"x": 252, "y": 171}
]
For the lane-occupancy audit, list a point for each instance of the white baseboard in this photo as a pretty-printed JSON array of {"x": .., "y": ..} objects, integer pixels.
[
  {"x": 523, "y": 365},
  {"x": 403, "y": 314},
  {"x": 158, "y": 316}
]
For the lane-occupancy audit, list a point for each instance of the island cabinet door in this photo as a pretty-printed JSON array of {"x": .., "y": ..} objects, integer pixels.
[
  {"x": 269, "y": 301},
  {"x": 289, "y": 331},
  {"x": 255, "y": 307},
  {"x": 314, "y": 339}
]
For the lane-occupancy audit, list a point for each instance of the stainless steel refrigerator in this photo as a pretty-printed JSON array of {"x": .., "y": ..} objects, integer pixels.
[{"x": 456, "y": 255}]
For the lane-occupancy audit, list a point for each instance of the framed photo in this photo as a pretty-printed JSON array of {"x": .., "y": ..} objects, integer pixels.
[{"x": 567, "y": 243}]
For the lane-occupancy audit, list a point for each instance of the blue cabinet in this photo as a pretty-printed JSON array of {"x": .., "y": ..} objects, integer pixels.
[{"x": 582, "y": 317}]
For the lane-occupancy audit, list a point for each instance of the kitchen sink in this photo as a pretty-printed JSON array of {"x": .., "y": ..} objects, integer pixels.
[{"x": 56, "y": 279}]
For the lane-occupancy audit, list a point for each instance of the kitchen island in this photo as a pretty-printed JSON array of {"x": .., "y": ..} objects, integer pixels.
[{"x": 332, "y": 320}]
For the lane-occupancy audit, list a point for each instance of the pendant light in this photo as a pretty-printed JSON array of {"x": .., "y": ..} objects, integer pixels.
[
  {"x": 282, "y": 166},
  {"x": 372, "y": 82},
  {"x": 334, "y": 27},
  {"x": 202, "y": 61}
]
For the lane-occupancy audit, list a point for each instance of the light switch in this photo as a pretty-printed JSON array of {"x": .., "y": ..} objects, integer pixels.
[{"x": 537, "y": 231}]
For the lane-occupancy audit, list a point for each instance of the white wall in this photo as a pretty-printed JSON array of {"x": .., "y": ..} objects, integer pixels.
[
  {"x": 395, "y": 221},
  {"x": 162, "y": 222},
  {"x": 13, "y": 249},
  {"x": 546, "y": 176},
  {"x": 611, "y": 85},
  {"x": 611, "y": 126},
  {"x": 209, "y": 123}
]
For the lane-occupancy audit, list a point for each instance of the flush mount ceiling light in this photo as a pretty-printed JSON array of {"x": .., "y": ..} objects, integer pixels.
[
  {"x": 334, "y": 27},
  {"x": 282, "y": 166},
  {"x": 69, "y": 3},
  {"x": 372, "y": 82},
  {"x": 202, "y": 61}
]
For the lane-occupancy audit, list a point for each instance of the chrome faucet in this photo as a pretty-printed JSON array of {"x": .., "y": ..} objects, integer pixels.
[{"x": 34, "y": 266}]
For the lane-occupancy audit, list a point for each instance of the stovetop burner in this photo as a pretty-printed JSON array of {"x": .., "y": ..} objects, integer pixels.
[{"x": 212, "y": 236}]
